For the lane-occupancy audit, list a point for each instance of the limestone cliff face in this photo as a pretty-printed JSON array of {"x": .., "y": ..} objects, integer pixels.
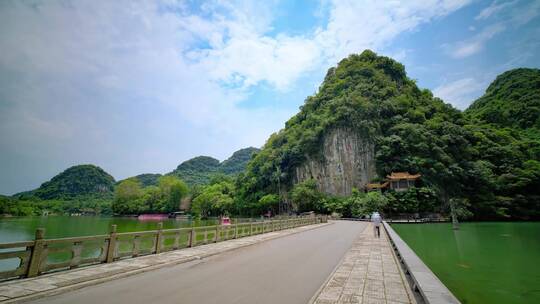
[{"x": 348, "y": 162}]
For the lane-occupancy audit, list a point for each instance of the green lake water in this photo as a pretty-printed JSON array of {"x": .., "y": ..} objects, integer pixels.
[
  {"x": 23, "y": 228},
  {"x": 488, "y": 262}
]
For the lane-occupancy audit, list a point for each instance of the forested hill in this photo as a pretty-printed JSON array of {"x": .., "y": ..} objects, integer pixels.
[
  {"x": 200, "y": 169},
  {"x": 512, "y": 100},
  {"x": 146, "y": 179},
  {"x": 238, "y": 161},
  {"x": 367, "y": 119},
  {"x": 489, "y": 170},
  {"x": 81, "y": 180},
  {"x": 92, "y": 181}
]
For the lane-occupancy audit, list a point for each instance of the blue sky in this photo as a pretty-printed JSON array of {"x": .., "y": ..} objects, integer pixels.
[{"x": 140, "y": 86}]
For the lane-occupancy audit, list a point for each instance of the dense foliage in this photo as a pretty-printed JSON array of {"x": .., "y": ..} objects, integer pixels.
[
  {"x": 512, "y": 100},
  {"x": 201, "y": 169},
  {"x": 197, "y": 171},
  {"x": 73, "y": 182},
  {"x": 238, "y": 161},
  {"x": 82, "y": 189},
  {"x": 490, "y": 170},
  {"x": 482, "y": 163},
  {"x": 146, "y": 179},
  {"x": 131, "y": 198},
  {"x": 34, "y": 206},
  {"x": 506, "y": 126},
  {"x": 88, "y": 189},
  {"x": 215, "y": 199}
]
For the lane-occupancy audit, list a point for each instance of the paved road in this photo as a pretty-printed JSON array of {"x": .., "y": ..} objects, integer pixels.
[{"x": 285, "y": 270}]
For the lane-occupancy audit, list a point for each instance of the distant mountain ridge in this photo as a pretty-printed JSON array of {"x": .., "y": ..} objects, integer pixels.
[
  {"x": 91, "y": 180},
  {"x": 75, "y": 181},
  {"x": 511, "y": 100},
  {"x": 199, "y": 170}
]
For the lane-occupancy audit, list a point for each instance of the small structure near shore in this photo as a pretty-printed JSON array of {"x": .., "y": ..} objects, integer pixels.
[
  {"x": 376, "y": 186},
  {"x": 397, "y": 181},
  {"x": 401, "y": 181}
]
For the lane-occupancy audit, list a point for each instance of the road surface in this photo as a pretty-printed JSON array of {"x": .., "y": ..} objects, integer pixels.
[{"x": 284, "y": 270}]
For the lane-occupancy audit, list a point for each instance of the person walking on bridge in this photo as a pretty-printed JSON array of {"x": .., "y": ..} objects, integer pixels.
[{"x": 376, "y": 220}]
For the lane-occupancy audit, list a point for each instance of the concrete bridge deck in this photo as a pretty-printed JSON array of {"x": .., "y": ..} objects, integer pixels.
[
  {"x": 368, "y": 274},
  {"x": 287, "y": 266}
]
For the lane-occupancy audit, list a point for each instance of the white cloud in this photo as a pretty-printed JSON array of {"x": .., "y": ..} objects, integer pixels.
[
  {"x": 474, "y": 44},
  {"x": 244, "y": 55},
  {"x": 493, "y": 8},
  {"x": 508, "y": 15},
  {"x": 357, "y": 25},
  {"x": 139, "y": 86},
  {"x": 461, "y": 92}
]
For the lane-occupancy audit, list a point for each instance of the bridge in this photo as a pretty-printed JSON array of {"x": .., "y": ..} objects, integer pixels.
[{"x": 303, "y": 260}]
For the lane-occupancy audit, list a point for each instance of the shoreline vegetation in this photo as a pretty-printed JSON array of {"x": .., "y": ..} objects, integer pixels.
[{"x": 479, "y": 164}]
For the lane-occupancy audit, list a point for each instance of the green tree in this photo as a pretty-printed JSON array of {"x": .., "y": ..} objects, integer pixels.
[
  {"x": 127, "y": 197},
  {"x": 365, "y": 205},
  {"x": 306, "y": 197},
  {"x": 216, "y": 199},
  {"x": 269, "y": 202},
  {"x": 173, "y": 190}
]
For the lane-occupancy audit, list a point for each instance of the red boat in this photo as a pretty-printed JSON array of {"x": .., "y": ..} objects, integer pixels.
[{"x": 225, "y": 221}]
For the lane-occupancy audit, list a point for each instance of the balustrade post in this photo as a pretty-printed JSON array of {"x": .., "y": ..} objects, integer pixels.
[
  {"x": 191, "y": 235},
  {"x": 35, "y": 258},
  {"x": 159, "y": 237},
  {"x": 250, "y": 227},
  {"x": 236, "y": 229},
  {"x": 112, "y": 245},
  {"x": 216, "y": 237}
]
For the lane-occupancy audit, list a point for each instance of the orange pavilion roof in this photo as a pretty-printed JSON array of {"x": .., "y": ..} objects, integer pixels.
[
  {"x": 402, "y": 175},
  {"x": 377, "y": 185}
]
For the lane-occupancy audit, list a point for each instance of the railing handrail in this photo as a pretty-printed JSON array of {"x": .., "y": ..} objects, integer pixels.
[{"x": 16, "y": 244}]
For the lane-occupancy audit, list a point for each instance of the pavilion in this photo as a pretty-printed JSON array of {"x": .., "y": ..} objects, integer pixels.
[{"x": 397, "y": 181}]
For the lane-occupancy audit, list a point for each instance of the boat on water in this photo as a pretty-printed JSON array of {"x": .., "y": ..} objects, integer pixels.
[
  {"x": 225, "y": 221},
  {"x": 153, "y": 216},
  {"x": 181, "y": 215}
]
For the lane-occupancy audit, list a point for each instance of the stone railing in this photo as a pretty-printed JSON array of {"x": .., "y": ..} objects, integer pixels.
[
  {"x": 424, "y": 281},
  {"x": 46, "y": 255}
]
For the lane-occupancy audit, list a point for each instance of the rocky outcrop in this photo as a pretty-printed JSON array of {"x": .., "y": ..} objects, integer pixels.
[{"x": 348, "y": 161}]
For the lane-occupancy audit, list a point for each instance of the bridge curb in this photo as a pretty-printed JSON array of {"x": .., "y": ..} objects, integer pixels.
[{"x": 428, "y": 285}]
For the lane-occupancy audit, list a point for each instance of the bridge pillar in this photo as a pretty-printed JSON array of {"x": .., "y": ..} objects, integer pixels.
[
  {"x": 33, "y": 268},
  {"x": 159, "y": 237}
]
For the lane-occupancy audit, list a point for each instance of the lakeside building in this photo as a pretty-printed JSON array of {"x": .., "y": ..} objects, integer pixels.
[{"x": 397, "y": 181}]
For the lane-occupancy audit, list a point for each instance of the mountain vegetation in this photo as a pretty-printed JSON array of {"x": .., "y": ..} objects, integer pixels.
[
  {"x": 131, "y": 197},
  {"x": 73, "y": 182},
  {"x": 505, "y": 122},
  {"x": 238, "y": 161},
  {"x": 481, "y": 163},
  {"x": 199, "y": 170},
  {"x": 511, "y": 101},
  {"x": 146, "y": 179},
  {"x": 89, "y": 189}
]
